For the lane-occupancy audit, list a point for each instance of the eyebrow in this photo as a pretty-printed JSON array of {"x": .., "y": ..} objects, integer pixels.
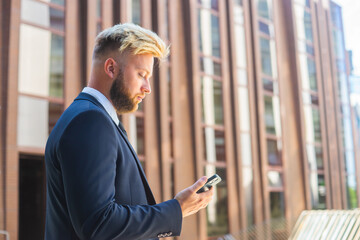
[{"x": 143, "y": 69}]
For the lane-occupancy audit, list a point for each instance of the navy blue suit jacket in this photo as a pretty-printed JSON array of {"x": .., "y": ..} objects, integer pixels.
[{"x": 96, "y": 187}]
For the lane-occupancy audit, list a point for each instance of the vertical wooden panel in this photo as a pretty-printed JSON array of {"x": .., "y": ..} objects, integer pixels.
[
  {"x": 151, "y": 134},
  {"x": 192, "y": 23},
  {"x": 233, "y": 209},
  {"x": 163, "y": 102},
  {"x": 91, "y": 17},
  {"x": 257, "y": 205},
  {"x": 182, "y": 100},
  {"x": 123, "y": 19},
  {"x": 257, "y": 195},
  {"x": 293, "y": 157},
  {"x": 260, "y": 112},
  {"x": 298, "y": 77},
  {"x": 72, "y": 76},
  {"x": 235, "y": 112},
  {"x": 12, "y": 157},
  {"x": 3, "y": 27},
  {"x": 357, "y": 153},
  {"x": 124, "y": 11},
  {"x": 107, "y": 13},
  {"x": 330, "y": 94}
]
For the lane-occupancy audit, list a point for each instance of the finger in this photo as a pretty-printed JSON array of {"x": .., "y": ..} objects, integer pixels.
[
  {"x": 199, "y": 183},
  {"x": 209, "y": 193}
]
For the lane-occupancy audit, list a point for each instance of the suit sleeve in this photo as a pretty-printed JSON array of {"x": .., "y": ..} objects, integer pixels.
[{"x": 87, "y": 151}]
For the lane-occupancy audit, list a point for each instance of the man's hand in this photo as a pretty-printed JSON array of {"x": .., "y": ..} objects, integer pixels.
[{"x": 190, "y": 201}]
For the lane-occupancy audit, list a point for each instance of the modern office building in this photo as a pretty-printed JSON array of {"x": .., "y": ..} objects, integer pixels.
[
  {"x": 355, "y": 104},
  {"x": 254, "y": 90}
]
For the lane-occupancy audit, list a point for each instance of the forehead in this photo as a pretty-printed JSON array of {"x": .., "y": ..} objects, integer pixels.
[{"x": 142, "y": 61}]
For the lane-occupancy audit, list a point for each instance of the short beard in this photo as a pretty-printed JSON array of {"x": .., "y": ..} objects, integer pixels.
[{"x": 120, "y": 96}]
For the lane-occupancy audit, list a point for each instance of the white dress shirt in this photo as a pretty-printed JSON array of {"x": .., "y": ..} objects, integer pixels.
[{"x": 104, "y": 102}]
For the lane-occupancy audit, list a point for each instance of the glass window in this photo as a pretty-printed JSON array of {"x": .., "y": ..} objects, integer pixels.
[
  {"x": 99, "y": 16},
  {"x": 274, "y": 152},
  {"x": 348, "y": 143},
  {"x": 242, "y": 77},
  {"x": 303, "y": 23},
  {"x": 36, "y": 119},
  {"x": 340, "y": 65},
  {"x": 318, "y": 191},
  {"x": 169, "y": 82},
  {"x": 277, "y": 205},
  {"x": 55, "y": 111},
  {"x": 209, "y": 34},
  {"x": 217, "y": 210},
  {"x": 338, "y": 44},
  {"x": 309, "y": 98},
  {"x": 141, "y": 107},
  {"x": 246, "y": 157},
  {"x": 310, "y": 49},
  {"x": 275, "y": 179},
  {"x": 136, "y": 134},
  {"x": 304, "y": 47},
  {"x": 213, "y": 4},
  {"x": 42, "y": 15},
  {"x": 210, "y": 67},
  {"x": 312, "y": 124},
  {"x": 264, "y": 8},
  {"x": 350, "y": 166},
  {"x": 98, "y": 8},
  {"x": 308, "y": 73},
  {"x": 140, "y": 131},
  {"x": 59, "y": 2},
  {"x": 352, "y": 199},
  {"x": 336, "y": 15},
  {"x": 272, "y": 115},
  {"x": 304, "y": 2},
  {"x": 212, "y": 106},
  {"x": 240, "y": 46},
  {"x": 238, "y": 14},
  {"x": 343, "y": 89},
  {"x": 43, "y": 77},
  {"x": 167, "y": 22},
  {"x": 171, "y": 139},
  {"x": 136, "y": 11},
  {"x": 249, "y": 199},
  {"x": 315, "y": 157},
  {"x": 267, "y": 29},
  {"x": 238, "y": 2},
  {"x": 214, "y": 148},
  {"x": 270, "y": 86},
  {"x": 268, "y": 57},
  {"x": 244, "y": 111}
]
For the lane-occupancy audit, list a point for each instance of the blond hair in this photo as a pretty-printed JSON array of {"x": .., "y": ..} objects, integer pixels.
[{"x": 132, "y": 38}]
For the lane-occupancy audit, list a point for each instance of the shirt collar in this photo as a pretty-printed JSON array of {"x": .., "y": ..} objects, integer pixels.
[{"x": 104, "y": 102}]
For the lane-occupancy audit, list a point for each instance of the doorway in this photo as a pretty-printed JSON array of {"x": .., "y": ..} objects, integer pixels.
[{"x": 32, "y": 197}]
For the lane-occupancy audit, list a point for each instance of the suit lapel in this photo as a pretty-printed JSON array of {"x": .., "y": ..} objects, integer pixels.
[{"x": 149, "y": 195}]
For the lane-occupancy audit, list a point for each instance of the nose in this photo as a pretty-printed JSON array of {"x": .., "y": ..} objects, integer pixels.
[{"x": 146, "y": 88}]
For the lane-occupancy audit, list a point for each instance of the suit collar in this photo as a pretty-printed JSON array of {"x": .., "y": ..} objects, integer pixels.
[{"x": 88, "y": 97}]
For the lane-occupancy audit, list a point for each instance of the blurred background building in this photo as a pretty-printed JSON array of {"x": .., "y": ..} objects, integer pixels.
[{"x": 256, "y": 91}]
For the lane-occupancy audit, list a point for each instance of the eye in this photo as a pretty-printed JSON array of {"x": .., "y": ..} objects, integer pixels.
[{"x": 141, "y": 75}]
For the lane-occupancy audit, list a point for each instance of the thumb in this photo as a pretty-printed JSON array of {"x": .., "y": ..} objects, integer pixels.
[{"x": 199, "y": 183}]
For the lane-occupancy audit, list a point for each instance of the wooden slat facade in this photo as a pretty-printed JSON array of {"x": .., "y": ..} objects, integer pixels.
[{"x": 174, "y": 143}]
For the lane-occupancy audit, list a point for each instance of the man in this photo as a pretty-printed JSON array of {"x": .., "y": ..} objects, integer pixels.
[{"x": 96, "y": 188}]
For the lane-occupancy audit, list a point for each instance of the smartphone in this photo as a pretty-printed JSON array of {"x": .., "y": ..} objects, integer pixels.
[{"x": 213, "y": 180}]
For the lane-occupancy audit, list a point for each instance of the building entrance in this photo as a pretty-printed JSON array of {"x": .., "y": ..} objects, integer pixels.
[{"x": 32, "y": 197}]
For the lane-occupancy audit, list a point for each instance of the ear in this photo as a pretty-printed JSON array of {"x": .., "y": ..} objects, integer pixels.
[{"x": 109, "y": 67}]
